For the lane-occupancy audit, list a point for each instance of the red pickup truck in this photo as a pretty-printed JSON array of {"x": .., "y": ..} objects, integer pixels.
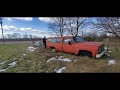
[{"x": 76, "y": 45}]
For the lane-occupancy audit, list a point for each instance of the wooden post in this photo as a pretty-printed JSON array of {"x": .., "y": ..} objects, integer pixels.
[{"x": 1, "y": 27}]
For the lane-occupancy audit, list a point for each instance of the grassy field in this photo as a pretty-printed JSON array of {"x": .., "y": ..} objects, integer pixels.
[{"x": 36, "y": 61}]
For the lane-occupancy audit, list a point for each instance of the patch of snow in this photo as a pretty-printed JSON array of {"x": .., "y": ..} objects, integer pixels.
[
  {"x": 106, "y": 48},
  {"x": 12, "y": 64},
  {"x": 55, "y": 70},
  {"x": 3, "y": 62},
  {"x": 51, "y": 59},
  {"x": 109, "y": 51},
  {"x": 75, "y": 60},
  {"x": 24, "y": 54},
  {"x": 31, "y": 49},
  {"x": 59, "y": 59},
  {"x": 60, "y": 70},
  {"x": 14, "y": 58},
  {"x": 65, "y": 60},
  {"x": 111, "y": 62},
  {"x": 2, "y": 70}
]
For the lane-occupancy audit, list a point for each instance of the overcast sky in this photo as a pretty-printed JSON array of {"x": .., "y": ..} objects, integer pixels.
[{"x": 26, "y": 25}]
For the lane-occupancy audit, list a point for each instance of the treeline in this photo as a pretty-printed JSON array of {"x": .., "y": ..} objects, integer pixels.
[
  {"x": 20, "y": 37},
  {"x": 101, "y": 37},
  {"x": 95, "y": 37}
]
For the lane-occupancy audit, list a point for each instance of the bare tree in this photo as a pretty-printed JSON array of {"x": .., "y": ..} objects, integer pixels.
[
  {"x": 9, "y": 36},
  {"x": 34, "y": 36},
  {"x": 30, "y": 36},
  {"x": 25, "y": 35},
  {"x": 16, "y": 35},
  {"x": 75, "y": 24},
  {"x": 108, "y": 24},
  {"x": 91, "y": 36},
  {"x": 57, "y": 25},
  {"x": 70, "y": 25}
]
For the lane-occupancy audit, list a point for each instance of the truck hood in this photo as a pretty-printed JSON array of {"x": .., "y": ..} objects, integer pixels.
[{"x": 92, "y": 43}]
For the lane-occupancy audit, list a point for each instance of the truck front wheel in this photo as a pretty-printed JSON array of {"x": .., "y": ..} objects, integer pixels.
[{"x": 85, "y": 53}]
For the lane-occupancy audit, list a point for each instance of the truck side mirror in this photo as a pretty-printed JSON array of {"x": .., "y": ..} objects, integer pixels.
[{"x": 69, "y": 42}]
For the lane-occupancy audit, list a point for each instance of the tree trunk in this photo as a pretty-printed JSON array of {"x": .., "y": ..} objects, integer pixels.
[{"x": 77, "y": 28}]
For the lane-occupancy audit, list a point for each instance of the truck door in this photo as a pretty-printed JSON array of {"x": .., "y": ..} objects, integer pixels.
[
  {"x": 59, "y": 44},
  {"x": 69, "y": 48}
]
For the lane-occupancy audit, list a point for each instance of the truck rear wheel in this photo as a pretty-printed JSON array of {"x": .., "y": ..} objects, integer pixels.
[{"x": 53, "y": 50}]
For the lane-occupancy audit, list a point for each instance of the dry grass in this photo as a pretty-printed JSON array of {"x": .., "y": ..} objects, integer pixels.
[{"x": 36, "y": 61}]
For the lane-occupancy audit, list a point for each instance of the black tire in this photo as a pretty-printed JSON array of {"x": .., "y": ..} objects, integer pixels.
[
  {"x": 53, "y": 50},
  {"x": 86, "y": 53}
]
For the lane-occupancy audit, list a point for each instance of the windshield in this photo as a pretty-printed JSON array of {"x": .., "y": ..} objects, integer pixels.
[{"x": 78, "y": 39}]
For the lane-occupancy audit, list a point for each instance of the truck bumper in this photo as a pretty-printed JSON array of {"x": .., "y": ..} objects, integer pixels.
[{"x": 102, "y": 53}]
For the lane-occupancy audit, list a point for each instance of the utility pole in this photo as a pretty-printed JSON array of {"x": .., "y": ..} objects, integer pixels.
[{"x": 1, "y": 27}]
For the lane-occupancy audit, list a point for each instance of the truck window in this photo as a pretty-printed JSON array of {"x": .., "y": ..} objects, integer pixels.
[
  {"x": 54, "y": 40},
  {"x": 67, "y": 40},
  {"x": 59, "y": 40},
  {"x": 78, "y": 39},
  {"x": 49, "y": 40}
]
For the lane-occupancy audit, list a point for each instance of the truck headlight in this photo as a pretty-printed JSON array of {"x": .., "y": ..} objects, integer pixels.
[{"x": 101, "y": 49}]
